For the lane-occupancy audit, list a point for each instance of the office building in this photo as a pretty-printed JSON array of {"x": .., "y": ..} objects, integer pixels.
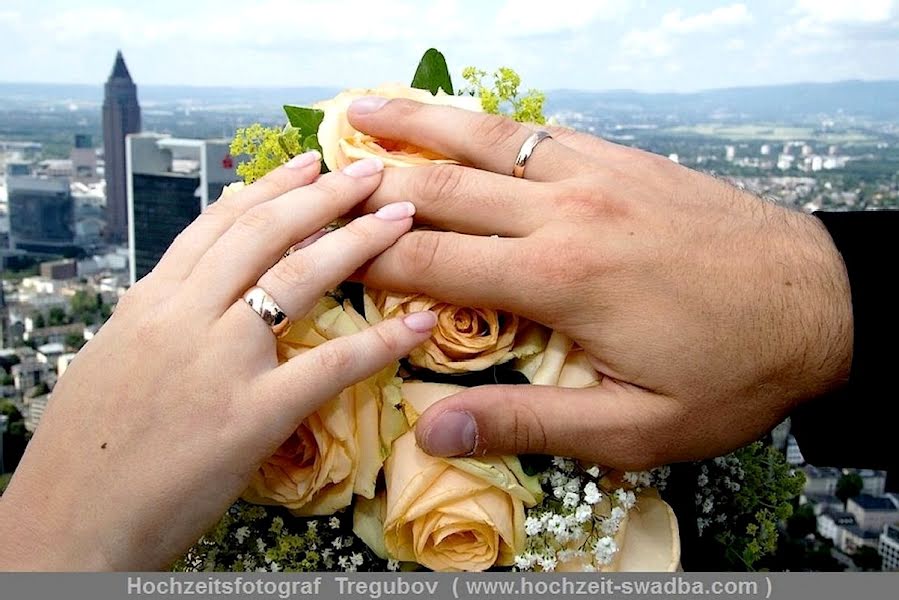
[
  {"x": 873, "y": 512},
  {"x": 121, "y": 116},
  {"x": 84, "y": 159},
  {"x": 170, "y": 181},
  {"x": 889, "y": 548},
  {"x": 41, "y": 213}
]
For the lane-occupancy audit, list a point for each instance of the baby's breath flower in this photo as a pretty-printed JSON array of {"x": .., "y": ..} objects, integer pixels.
[
  {"x": 334, "y": 523},
  {"x": 393, "y": 565},
  {"x": 559, "y": 492},
  {"x": 613, "y": 522},
  {"x": 548, "y": 563},
  {"x": 571, "y": 499},
  {"x": 532, "y": 526},
  {"x": 591, "y": 493},
  {"x": 241, "y": 534},
  {"x": 625, "y": 498},
  {"x": 523, "y": 562},
  {"x": 593, "y": 471},
  {"x": 356, "y": 559},
  {"x": 582, "y": 513},
  {"x": 573, "y": 485},
  {"x": 604, "y": 550}
]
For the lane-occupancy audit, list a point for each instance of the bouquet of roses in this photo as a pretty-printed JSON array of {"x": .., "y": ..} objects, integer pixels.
[{"x": 351, "y": 490}]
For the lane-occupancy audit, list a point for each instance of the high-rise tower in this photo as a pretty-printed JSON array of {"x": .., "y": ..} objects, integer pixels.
[{"x": 121, "y": 116}]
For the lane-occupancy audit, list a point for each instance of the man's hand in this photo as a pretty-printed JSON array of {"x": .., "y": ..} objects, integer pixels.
[{"x": 711, "y": 313}]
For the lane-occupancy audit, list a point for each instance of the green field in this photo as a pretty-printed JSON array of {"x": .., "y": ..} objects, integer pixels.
[{"x": 762, "y": 132}]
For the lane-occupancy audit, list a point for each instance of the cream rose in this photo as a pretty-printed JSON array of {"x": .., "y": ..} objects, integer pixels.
[
  {"x": 342, "y": 144},
  {"x": 337, "y": 451},
  {"x": 446, "y": 514},
  {"x": 465, "y": 339}
]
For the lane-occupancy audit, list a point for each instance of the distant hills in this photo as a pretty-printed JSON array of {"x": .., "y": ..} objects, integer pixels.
[{"x": 875, "y": 100}]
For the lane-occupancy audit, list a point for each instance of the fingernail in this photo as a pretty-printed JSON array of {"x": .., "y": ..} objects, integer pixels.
[
  {"x": 303, "y": 160},
  {"x": 364, "y": 167},
  {"x": 368, "y": 104},
  {"x": 451, "y": 434},
  {"x": 397, "y": 211},
  {"x": 420, "y": 321}
]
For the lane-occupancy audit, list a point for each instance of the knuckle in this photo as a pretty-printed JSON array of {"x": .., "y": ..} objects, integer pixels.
[
  {"x": 336, "y": 357},
  {"x": 440, "y": 182},
  {"x": 494, "y": 130},
  {"x": 528, "y": 434},
  {"x": 359, "y": 233},
  {"x": 420, "y": 252},
  {"x": 329, "y": 186},
  {"x": 221, "y": 209},
  {"x": 292, "y": 272},
  {"x": 259, "y": 220},
  {"x": 403, "y": 108},
  {"x": 388, "y": 343}
]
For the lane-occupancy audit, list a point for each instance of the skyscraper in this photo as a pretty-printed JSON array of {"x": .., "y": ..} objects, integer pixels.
[
  {"x": 121, "y": 116},
  {"x": 170, "y": 182}
]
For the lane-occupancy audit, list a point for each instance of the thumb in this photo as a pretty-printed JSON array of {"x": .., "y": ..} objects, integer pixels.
[{"x": 611, "y": 424}]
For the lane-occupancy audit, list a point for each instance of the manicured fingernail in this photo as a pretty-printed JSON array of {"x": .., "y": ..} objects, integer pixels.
[
  {"x": 420, "y": 321},
  {"x": 303, "y": 160},
  {"x": 364, "y": 167},
  {"x": 396, "y": 211},
  {"x": 368, "y": 104},
  {"x": 453, "y": 433}
]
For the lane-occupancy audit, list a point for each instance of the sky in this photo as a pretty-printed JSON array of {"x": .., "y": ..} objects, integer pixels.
[{"x": 579, "y": 44}]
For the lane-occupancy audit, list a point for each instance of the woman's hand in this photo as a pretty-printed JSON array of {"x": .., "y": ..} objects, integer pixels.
[
  {"x": 161, "y": 419},
  {"x": 711, "y": 312}
]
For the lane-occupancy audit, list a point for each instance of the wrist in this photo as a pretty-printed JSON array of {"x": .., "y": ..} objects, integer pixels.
[
  {"x": 35, "y": 540},
  {"x": 831, "y": 302}
]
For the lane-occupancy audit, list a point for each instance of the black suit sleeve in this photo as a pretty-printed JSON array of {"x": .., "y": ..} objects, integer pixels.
[{"x": 852, "y": 426}]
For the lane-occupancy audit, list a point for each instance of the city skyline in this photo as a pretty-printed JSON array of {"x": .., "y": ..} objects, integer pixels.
[{"x": 663, "y": 46}]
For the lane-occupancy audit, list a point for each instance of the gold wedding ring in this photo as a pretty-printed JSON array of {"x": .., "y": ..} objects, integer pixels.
[
  {"x": 266, "y": 307},
  {"x": 527, "y": 148}
]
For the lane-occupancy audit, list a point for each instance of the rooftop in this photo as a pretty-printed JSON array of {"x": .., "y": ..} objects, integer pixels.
[
  {"x": 869, "y": 502},
  {"x": 862, "y": 533},
  {"x": 840, "y": 518}
]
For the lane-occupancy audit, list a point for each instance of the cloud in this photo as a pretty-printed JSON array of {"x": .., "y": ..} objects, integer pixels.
[
  {"x": 725, "y": 16},
  {"x": 517, "y": 18},
  {"x": 838, "y": 12},
  {"x": 661, "y": 40}
]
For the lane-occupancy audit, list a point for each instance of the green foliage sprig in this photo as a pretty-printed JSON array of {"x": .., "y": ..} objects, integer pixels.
[
  {"x": 503, "y": 97},
  {"x": 743, "y": 497}
]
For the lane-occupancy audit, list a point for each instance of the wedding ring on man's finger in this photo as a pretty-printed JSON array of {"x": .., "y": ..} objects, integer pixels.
[
  {"x": 266, "y": 307},
  {"x": 527, "y": 148}
]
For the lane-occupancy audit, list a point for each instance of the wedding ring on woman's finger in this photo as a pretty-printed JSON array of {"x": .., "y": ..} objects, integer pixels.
[
  {"x": 527, "y": 148},
  {"x": 266, "y": 307}
]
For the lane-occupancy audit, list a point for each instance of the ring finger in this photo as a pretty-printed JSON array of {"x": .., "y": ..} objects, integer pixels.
[
  {"x": 259, "y": 237},
  {"x": 299, "y": 280}
]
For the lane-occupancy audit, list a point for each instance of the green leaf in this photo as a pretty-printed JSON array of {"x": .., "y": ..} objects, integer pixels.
[
  {"x": 307, "y": 120},
  {"x": 432, "y": 73},
  {"x": 310, "y": 142}
]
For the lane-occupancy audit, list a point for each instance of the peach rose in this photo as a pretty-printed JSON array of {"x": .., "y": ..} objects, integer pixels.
[
  {"x": 342, "y": 144},
  {"x": 447, "y": 514},
  {"x": 338, "y": 450},
  {"x": 561, "y": 363},
  {"x": 465, "y": 339}
]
